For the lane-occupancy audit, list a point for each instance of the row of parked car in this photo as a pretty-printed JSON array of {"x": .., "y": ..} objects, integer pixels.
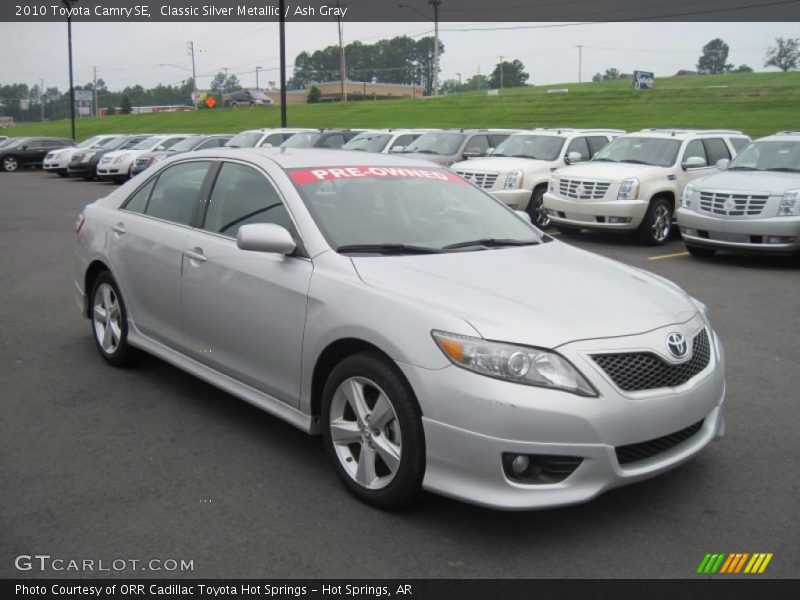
[{"x": 724, "y": 190}]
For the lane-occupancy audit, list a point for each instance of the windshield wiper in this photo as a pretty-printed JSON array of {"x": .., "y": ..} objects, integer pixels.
[
  {"x": 606, "y": 160},
  {"x": 530, "y": 156},
  {"x": 742, "y": 169},
  {"x": 421, "y": 151},
  {"x": 784, "y": 170},
  {"x": 388, "y": 249},
  {"x": 491, "y": 243},
  {"x": 635, "y": 161}
]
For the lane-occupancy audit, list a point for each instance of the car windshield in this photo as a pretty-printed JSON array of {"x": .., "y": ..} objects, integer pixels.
[
  {"x": 539, "y": 147},
  {"x": 658, "y": 152},
  {"x": 246, "y": 139},
  {"x": 391, "y": 210},
  {"x": 188, "y": 144},
  {"x": 301, "y": 140},
  {"x": 436, "y": 143},
  {"x": 147, "y": 143},
  {"x": 368, "y": 142},
  {"x": 114, "y": 142},
  {"x": 89, "y": 142},
  {"x": 768, "y": 156}
]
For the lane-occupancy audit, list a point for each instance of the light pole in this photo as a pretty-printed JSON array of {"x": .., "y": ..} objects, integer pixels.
[
  {"x": 500, "y": 66},
  {"x": 68, "y": 5},
  {"x": 435, "y": 4},
  {"x": 282, "y": 17},
  {"x": 190, "y": 48},
  {"x": 41, "y": 97},
  {"x": 257, "y": 70},
  {"x": 580, "y": 61}
]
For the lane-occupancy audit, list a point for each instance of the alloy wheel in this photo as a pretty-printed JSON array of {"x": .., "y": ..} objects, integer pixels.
[
  {"x": 662, "y": 223},
  {"x": 10, "y": 164},
  {"x": 365, "y": 433},
  {"x": 107, "y": 318}
]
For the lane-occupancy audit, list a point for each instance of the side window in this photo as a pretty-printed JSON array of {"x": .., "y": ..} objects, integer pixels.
[
  {"x": 176, "y": 192},
  {"x": 695, "y": 148},
  {"x": 334, "y": 141},
  {"x": 479, "y": 144},
  {"x": 170, "y": 142},
  {"x": 242, "y": 196},
  {"x": 596, "y": 143},
  {"x": 138, "y": 201},
  {"x": 495, "y": 140},
  {"x": 716, "y": 149},
  {"x": 403, "y": 140},
  {"x": 580, "y": 146},
  {"x": 274, "y": 139},
  {"x": 34, "y": 144},
  {"x": 739, "y": 143},
  {"x": 212, "y": 143}
]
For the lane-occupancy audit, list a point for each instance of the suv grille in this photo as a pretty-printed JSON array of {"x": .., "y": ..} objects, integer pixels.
[
  {"x": 636, "y": 371},
  {"x": 583, "y": 190},
  {"x": 482, "y": 180},
  {"x": 636, "y": 452},
  {"x": 733, "y": 205},
  {"x": 141, "y": 162}
]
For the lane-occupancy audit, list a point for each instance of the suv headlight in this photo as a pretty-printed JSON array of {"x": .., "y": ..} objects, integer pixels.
[
  {"x": 628, "y": 189},
  {"x": 688, "y": 196},
  {"x": 552, "y": 185},
  {"x": 516, "y": 364},
  {"x": 514, "y": 180},
  {"x": 790, "y": 204}
]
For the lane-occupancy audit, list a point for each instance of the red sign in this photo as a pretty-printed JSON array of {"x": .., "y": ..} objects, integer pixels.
[
  {"x": 303, "y": 176},
  {"x": 210, "y": 102}
]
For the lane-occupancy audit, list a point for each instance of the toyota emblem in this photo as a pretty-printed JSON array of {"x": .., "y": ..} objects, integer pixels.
[{"x": 676, "y": 344}]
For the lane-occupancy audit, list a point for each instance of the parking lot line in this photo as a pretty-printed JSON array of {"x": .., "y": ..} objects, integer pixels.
[{"x": 673, "y": 255}]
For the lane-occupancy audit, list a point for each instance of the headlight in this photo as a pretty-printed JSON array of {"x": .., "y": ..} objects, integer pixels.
[
  {"x": 552, "y": 185},
  {"x": 517, "y": 364},
  {"x": 790, "y": 204},
  {"x": 87, "y": 156},
  {"x": 688, "y": 196},
  {"x": 118, "y": 159},
  {"x": 514, "y": 180},
  {"x": 628, "y": 189}
]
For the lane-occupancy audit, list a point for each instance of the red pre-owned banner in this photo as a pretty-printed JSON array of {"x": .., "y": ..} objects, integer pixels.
[{"x": 304, "y": 176}]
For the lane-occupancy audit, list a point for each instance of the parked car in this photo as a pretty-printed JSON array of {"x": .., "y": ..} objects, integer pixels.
[
  {"x": 190, "y": 144},
  {"x": 635, "y": 183},
  {"x": 400, "y": 312},
  {"x": 255, "y": 138},
  {"x": 3, "y": 138},
  {"x": 449, "y": 146},
  {"x": 84, "y": 164},
  {"x": 384, "y": 140},
  {"x": 518, "y": 170},
  {"x": 57, "y": 161},
  {"x": 246, "y": 98},
  {"x": 753, "y": 204},
  {"x": 118, "y": 165},
  {"x": 326, "y": 138},
  {"x": 29, "y": 151}
]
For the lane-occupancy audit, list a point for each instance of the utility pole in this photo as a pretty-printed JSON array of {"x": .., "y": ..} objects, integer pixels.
[
  {"x": 282, "y": 17},
  {"x": 478, "y": 78},
  {"x": 435, "y": 4},
  {"x": 41, "y": 97},
  {"x": 257, "y": 70},
  {"x": 500, "y": 66},
  {"x": 94, "y": 89},
  {"x": 68, "y": 4},
  {"x": 342, "y": 64},
  {"x": 190, "y": 47},
  {"x": 580, "y": 61}
]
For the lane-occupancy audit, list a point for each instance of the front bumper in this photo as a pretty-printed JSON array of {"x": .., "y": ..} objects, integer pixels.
[
  {"x": 595, "y": 215},
  {"x": 707, "y": 231},
  {"x": 517, "y": 199},
  {"x": 113, "y": 171},
  {"x": 82, "y": 169},
  {"x": 470, "y": 421},
  {"x": 55, "y": 166}
]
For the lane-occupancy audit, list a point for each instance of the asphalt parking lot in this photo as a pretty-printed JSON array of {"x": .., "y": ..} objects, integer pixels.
[{"x": 101, "y": 463}]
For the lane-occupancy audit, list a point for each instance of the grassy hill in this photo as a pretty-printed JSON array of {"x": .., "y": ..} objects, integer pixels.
[{"x": 756, "y": 103}]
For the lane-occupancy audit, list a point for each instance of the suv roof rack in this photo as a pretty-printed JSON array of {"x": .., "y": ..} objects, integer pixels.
[
  {"x": 789, "y": 132},
  {"x": 677, "y": 130},
  {"x": 580, "y": 129}
]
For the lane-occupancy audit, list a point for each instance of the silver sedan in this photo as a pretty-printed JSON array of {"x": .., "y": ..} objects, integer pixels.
[{"x": 434, "y": 337}]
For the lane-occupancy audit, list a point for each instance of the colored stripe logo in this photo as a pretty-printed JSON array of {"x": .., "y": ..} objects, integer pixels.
[{"x": 735, "y": 563}]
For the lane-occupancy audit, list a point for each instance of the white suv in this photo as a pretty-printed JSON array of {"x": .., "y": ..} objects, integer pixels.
[
  {"x": 518, "y": 170},
  {"x": 255, "y": 138},
  {"x": 636, "y": 182},
  {"x": 384, "y": 140}
]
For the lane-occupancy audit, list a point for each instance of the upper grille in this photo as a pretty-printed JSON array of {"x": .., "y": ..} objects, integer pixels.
[
  {"x": 482, "y": 180},
  {"x": 106, "y": 159},
  {"x": 636, "y": 452},
  {"x": 75, "y": 158},
  {"x": 140, "y": 162},
  {"x": 636, "y": 371},
  {"x": 738, "y": 205},
  {"x": 583, "y": 190}
]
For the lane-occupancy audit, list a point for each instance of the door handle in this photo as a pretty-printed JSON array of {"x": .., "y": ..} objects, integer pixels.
[
  {"x": 196, "y": 254},
  {"x": 118, "y": 228}
]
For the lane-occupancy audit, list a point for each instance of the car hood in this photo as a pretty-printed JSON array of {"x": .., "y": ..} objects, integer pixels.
[
  {"x": 439, "y": 159},
  {"x": 545, "y": 295},
  {"x": 611, "y": 171},
  {"x": 774, "y": 182},
  {"x": 124, "y": 153},
  {"x": 503, "y": 164}
]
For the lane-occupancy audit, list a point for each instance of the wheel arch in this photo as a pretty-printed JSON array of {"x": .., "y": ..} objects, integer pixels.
[
  {"x": 92, "y": 272},
  {"x": 668, "y": 195}
]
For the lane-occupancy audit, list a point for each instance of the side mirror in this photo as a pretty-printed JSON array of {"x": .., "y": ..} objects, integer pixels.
[
  {"x": 573, "y": 157},
  {"x": 723, "y": 163},
  {"x": 470, "y": 153},
  {"x": 395, "y": 149},
  {"x": 524, "y": 216},
  {"x": 161, "y": 148},
  {"x": 490, "y": 151},
  {"x": 265, "y": 237},
  {"x": 694, "y": 162},
  {"x": 23, "y": 147}
]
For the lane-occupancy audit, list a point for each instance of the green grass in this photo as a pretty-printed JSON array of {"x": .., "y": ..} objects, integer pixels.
[{"x": 756, "y": 103}]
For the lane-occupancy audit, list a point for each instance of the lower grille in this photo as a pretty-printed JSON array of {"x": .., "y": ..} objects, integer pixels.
[
  {"x": 733, "y": 205},
  {"x": 542, "y": 469},
  {"x": 636, "y": 371},
  {"x": 636, "y": 452},
  {"x": 482, "y": 180}
]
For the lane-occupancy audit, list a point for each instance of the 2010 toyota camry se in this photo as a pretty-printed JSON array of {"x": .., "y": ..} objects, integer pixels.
[{"x": 433, "y": 336}]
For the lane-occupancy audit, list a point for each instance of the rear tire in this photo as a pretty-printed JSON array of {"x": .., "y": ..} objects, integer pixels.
[
  {"x": 657, "y": 223},
  {"x": 536, "y": 210},
  {"x": 372, "y": 430},
  {"x": 10, "y": 164},
  {"x": 109, "y": 321},
  {"x": 700, "y": 251}
]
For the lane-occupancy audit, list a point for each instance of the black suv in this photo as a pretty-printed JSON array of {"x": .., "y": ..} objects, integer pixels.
[
  {"x": 29, "y": 152},
  {"x": 327, "y": 138}
]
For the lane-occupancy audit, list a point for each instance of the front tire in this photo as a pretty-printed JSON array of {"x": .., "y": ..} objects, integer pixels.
[
  {"x": 10, "y": 164},
  {"x": 372, "y": 430},
  {"x": 700, "y": 251},
  {"x": 657, "y": 223},
  {"x": 110, "y": 323},
  {"x": 535, "y": 209}
]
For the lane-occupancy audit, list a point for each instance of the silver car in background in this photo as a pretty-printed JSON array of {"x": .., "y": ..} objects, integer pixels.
[
  {"x": 399, "y": 311},
  {"x": 754, "y": 204}
]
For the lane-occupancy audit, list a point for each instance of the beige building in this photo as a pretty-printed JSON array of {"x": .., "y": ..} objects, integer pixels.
[{"x": 356, "y": 90}]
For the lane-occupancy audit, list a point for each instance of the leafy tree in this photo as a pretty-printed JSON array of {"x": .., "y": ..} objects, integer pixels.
[
  {"x": 611, "y": 74},
  {"x": 597, "y": 77},
  {"x": 513, "y": 74},
  {"x": 125, "y": 105},
  {"x": 714, "y": 57},
  {"x": 785, "y": 54},
  {"x": 743, "y": 69},
  {"x": 314, "y": 95},
  {"x": 218, "y": 83},
  {"x": 232, "y": 84},
  {"x": 478, "y": 82}
]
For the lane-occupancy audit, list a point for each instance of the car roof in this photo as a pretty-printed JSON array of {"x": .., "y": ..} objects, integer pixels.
[
  {"x": 680, "y": 133},
  {"x": 782, "y": 136},
  {"x": 294, "y": 158},
  {"x": 565, "y": 131}
]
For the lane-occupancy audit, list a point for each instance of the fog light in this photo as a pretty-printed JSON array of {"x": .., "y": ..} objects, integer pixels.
[
  {"x": 520, "y": 464},
  {"x": 685, "y": 231},
  {"x": 778, "y": 239},
  {"x": 619, "y": 219}
]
